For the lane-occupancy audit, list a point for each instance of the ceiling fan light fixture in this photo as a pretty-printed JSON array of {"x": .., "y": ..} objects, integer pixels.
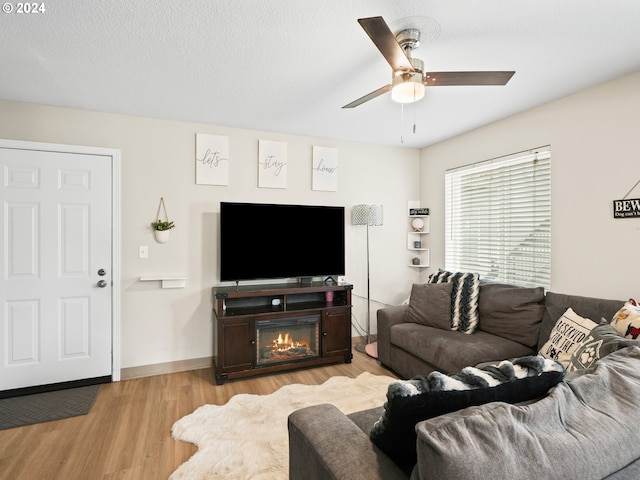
[{"x": 407, "y": 88}]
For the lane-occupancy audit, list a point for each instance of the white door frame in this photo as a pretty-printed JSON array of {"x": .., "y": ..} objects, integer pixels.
[{"x": 115, "y": 229}]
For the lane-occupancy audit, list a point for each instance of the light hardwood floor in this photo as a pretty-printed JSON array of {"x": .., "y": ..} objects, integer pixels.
[{"x": 127, "y": 434}]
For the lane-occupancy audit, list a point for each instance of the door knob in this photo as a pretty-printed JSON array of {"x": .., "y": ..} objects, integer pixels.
[{"x": 102, "y": 283}]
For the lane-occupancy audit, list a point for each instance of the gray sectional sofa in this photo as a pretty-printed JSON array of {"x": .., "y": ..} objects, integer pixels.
[
  {"x": 583, "y": 429},
  {"x": 513, "y": 322}
]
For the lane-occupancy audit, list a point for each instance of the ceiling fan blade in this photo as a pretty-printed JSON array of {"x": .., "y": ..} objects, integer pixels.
[
  {"x": 368, "y": 96},
  {"x": 385, "y": 40},
  {"x": 447, "y": 79}
]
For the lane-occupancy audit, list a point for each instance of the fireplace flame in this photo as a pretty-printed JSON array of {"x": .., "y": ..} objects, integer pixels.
[{"x": 286, "y": 342}]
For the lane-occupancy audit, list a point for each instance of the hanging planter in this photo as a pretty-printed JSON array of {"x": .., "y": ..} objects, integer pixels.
[
  {"x": 162, "y": 228},
  {"x": 162, "y": 236}
]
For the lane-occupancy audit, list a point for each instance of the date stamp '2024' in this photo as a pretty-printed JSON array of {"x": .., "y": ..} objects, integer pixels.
[{"x": 19, "y": 7}]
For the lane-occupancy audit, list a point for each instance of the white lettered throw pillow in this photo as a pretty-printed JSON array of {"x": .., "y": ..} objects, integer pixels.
[{"x": 566, "y": 336}]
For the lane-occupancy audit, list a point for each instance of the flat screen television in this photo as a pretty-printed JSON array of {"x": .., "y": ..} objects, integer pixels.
[{"x": 273, "y": 241}]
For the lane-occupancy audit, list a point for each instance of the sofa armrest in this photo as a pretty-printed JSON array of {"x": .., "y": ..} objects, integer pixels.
[
  {"x": 324, "y": 444},
  {"x": 387, "y": 318}
]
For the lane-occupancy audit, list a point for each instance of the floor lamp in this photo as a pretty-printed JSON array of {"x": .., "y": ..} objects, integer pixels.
[{"x": 369, "y": 215}]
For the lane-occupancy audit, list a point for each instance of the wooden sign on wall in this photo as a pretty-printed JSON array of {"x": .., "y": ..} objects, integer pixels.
[{"x": 626, "y": 208}]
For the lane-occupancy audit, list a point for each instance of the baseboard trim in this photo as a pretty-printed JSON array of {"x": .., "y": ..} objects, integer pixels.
[
  {"x": 186, "y": 365},
  {"x": 167, "y": 367},
  {"x": 356, "y": 340}
]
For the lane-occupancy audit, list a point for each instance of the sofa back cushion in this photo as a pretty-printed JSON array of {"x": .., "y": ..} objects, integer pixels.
[
  {"x": 589, "y": 307},
  {"x": 582, "y": 429},
  {"x": 511, "y": 312}
]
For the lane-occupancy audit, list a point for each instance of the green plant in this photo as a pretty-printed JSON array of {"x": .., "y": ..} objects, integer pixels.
[{"x": 162, "y": 225}]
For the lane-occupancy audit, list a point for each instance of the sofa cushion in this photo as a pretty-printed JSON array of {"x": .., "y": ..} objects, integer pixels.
[
  {"x": 627, "y": 320},
  {"x": 555, "y": 305},
  {"x": 580, "y": 430},
  {"x": 511, "y": 312},
  {"x": 450, "y": 350},
  {"x": 602, "y": 340},
  {"x": 464, "y": 298},
  {"x": 566, "y": 336},
  {"x": 430, "y": 304},
  {"x": 423, "y": 397}
]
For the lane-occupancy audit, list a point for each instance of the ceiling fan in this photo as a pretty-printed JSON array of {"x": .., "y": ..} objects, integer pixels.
[{"x": 409, "y": 79}]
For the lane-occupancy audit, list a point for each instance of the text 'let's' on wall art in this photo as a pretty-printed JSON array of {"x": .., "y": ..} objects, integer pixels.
[
  {"x": 272, "y": 164},
  {"x": 212, "y": 159},
  {"x": 325, "y": 169}
]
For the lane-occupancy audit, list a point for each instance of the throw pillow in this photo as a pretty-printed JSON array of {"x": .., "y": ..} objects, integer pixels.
[
  {"x": 602, "y": 340},
  {"x": 627, "y": 320},
  {"x": 464, "y": 298},
  {"x": 423, "y": 397},
  {"x": 430, "y": 304},
  {"x": 566, "y": 336}
]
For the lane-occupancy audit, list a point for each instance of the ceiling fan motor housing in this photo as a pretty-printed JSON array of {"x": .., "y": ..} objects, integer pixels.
[{"x": 409, "y": 39}]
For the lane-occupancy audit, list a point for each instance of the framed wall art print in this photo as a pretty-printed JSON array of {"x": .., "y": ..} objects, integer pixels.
[
  {"x": 272, "y": 164},
  {"x": 212, "y": 159},
  {"x": 325, "y": 169}
]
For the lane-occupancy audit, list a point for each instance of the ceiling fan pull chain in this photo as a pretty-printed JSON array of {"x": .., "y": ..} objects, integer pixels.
[
  {"x": 414, "y": 117},
  {"x": 402, "y": 123}
]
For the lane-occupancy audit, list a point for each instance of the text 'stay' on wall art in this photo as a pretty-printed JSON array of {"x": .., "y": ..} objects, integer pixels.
[{"x": 272, "y": 164}]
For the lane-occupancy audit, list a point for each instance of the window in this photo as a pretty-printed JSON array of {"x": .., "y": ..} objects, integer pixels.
[{"x": 498, "y": 219}]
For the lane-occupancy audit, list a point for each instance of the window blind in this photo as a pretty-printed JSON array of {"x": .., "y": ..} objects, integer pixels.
[{"x": 498, "y": 219}]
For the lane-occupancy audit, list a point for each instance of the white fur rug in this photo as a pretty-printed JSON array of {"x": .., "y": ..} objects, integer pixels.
[{"x": 247, "y": 438}]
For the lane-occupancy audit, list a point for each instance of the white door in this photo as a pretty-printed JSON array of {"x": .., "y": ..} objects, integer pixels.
[{"x": 55, "y": 285}]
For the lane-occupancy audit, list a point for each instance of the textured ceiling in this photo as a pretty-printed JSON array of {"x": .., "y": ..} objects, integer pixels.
[{"x": 289, "y": 66}]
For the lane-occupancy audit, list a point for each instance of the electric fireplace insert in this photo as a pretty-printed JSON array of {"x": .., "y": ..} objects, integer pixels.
[{"x": 287, "y": 339}]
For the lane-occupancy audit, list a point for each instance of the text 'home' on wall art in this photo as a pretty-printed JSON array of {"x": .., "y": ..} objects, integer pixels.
[
  {"x": 325, "y": 169},
  {"x": 212, "y": 159}
]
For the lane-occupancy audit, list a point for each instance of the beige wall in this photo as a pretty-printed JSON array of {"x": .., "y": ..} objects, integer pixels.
[
  {"x": 161, "y": 326},
  {"x": 595, "y": 160}
]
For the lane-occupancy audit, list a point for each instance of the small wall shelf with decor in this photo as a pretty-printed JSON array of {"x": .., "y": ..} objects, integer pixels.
[{"x": 419, "y": 227}]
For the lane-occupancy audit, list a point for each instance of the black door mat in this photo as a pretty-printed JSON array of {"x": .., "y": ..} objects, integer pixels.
[{"x": 47, "y": 406}]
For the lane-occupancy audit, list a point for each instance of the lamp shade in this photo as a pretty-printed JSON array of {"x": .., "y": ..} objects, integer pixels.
[{"x": 366, "y": 215}]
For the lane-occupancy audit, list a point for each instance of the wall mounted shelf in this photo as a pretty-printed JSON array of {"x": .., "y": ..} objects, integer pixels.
[
  {"x": 167, "y": 281},
  {"x": 417, "y": 239}
]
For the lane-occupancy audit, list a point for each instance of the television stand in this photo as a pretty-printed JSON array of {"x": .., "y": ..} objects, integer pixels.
[{"x": 269, "y": 328}]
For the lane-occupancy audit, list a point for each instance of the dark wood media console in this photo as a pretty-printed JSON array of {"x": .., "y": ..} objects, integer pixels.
[{"x": 272, "y": 328}]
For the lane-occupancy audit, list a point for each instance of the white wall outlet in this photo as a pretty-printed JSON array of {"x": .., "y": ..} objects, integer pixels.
[{"x": 143, "y": 251}]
